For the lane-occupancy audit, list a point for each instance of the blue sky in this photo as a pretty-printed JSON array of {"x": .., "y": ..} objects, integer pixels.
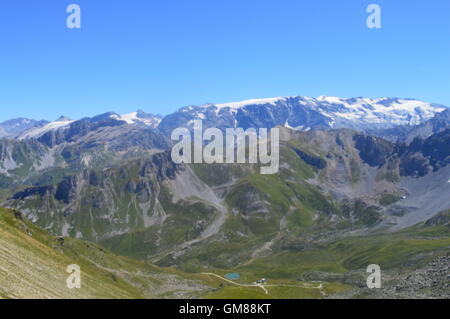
[{"x": 161, "y": 55}]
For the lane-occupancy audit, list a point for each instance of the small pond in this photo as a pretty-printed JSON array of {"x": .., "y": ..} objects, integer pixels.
[{"x": 232, "y": 276}]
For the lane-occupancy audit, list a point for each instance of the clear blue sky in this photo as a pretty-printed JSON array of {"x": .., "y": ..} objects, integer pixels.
[{"x": 162, "y": 55}]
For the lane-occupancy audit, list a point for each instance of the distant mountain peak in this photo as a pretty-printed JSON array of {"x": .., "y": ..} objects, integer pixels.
[
  {"x": 63, "y": 118},
  {"x": 14, "y": 127}
]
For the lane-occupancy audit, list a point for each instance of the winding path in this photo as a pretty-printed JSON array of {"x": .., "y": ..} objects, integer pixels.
[
  {"x": 235, "y": 283},
  {"x": 263, "y": 287}
]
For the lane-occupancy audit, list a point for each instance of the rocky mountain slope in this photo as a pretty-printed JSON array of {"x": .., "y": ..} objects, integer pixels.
[
  {"x": 100, "y": 142},
  {"x": 331, "y": 184}
]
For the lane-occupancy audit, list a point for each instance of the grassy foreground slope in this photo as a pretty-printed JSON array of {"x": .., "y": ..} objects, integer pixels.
[{"x": 33, "y": 264}]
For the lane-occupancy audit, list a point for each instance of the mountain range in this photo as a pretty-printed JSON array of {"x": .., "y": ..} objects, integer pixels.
[
  {"x": 300, "y": 113},
  {"x": 361, "y": 181}
]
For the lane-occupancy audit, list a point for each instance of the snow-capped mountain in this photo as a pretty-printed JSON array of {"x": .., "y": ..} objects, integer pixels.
[
  {"x": 299, "y": 113},
  {"x": 14, "y": 127},
  {"x": 138, "y": 118},
  {"x": 36, "y": 132},
  {"x": 305, "y": 113}
]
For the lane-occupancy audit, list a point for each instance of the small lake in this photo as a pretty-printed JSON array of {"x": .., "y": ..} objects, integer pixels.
[{"x": 232, "y": 276}]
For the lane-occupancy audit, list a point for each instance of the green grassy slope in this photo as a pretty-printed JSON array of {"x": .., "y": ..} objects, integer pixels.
[{"x": 33, "y": 265}]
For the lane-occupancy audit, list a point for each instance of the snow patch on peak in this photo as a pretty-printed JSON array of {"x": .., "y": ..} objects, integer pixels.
[
  {"x": 130, "y": 118},
  {"x": 236, "y": 105},
  {"x": 39, "y": 131},
  {"x": 139, "y": 117},
  {"x": 388, "y": 110}
]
